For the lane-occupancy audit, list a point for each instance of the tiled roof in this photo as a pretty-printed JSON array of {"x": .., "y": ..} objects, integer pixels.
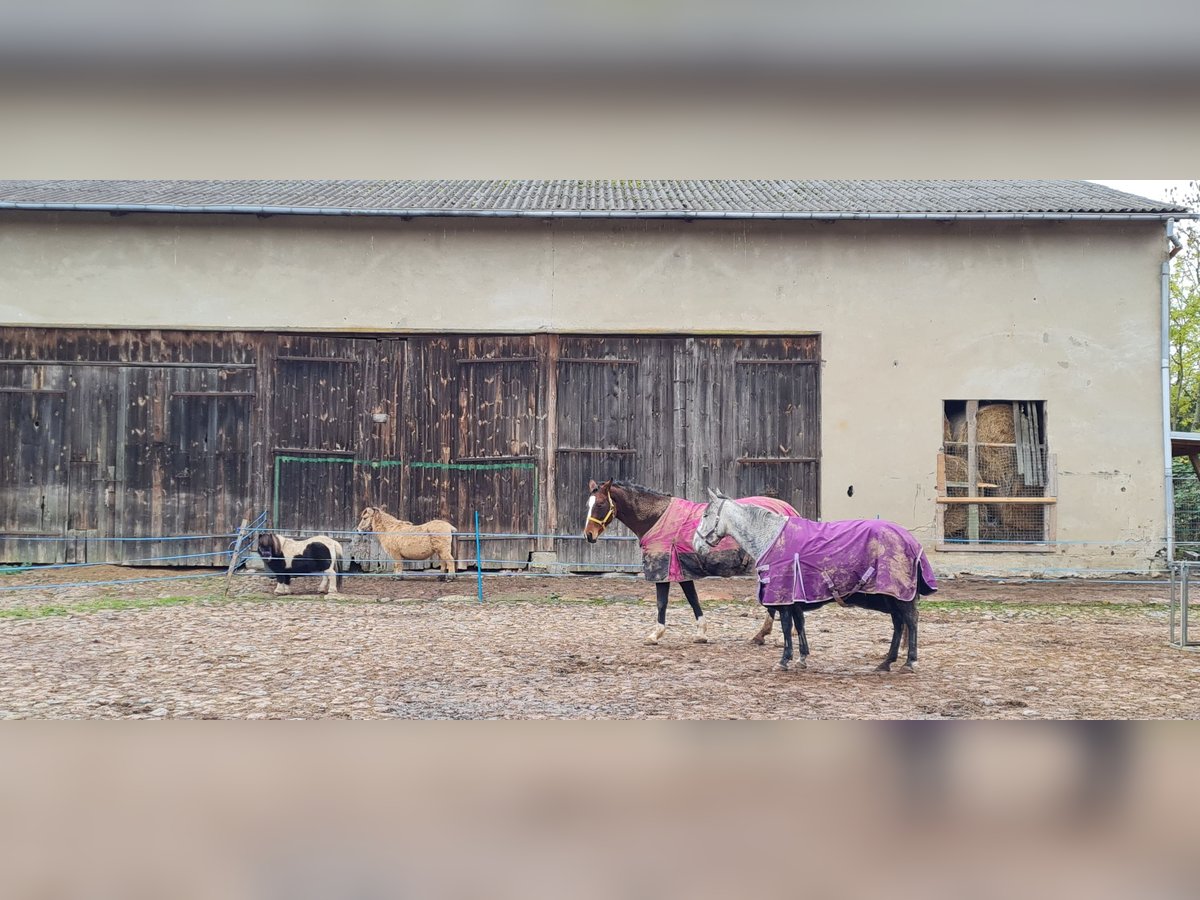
[{"x": 668, "y": 198}]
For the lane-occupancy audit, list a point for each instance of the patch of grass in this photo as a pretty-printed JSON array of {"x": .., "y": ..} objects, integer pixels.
[
  {"x": 88, "y": 606},
  {"x": 1057, "y": 609}
]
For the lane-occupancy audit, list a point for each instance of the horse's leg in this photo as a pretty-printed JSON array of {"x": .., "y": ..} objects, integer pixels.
[
  {"x": 785, "y": 623},
  {"x": 798, "y": 617},
  {"x": 661, "y": 590},
  {"x": 908, "y": 612},
  {"x": 448, "y": 560},
  {"x": 761, "y": 637},
  {"x": 693, "y": 599},
  {"x": 894, "y": 649},
  {"x": 283, "y": 584},
  {"x": 329, "y": 582}
]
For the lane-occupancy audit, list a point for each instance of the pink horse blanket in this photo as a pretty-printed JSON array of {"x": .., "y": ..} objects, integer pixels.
[
  {"x": 813, "y": 562},
  {"x": 667, "y": 552}
]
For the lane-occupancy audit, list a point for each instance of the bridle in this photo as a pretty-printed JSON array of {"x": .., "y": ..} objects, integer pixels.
[
  {"x": 716, "y": 517},
  {"x": 608, "y": 517}
]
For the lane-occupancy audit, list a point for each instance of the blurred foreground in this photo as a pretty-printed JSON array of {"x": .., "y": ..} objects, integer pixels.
[{"x": 974, "y": 810}]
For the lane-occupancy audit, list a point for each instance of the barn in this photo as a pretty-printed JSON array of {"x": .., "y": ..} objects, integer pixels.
[{"x": 980, "y": 361}]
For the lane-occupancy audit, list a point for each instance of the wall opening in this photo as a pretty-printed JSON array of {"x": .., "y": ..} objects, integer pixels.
[{"x": 996, "y": 477}]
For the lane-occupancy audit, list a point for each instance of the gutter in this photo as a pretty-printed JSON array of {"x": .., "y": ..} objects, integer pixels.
[
  {"x": 1168, "y": 482},
  {"x": 239, "y": 209}
]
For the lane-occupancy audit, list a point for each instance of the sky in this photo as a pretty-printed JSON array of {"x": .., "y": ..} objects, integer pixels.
[{"x": 1155, "y": 190}]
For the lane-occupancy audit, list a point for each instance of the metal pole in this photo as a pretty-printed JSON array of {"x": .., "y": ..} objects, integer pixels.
[
  {"x": 1183, "y": 606},
  {"x": 1171, "y": 605},
  {"x": 478, "y": 558}
]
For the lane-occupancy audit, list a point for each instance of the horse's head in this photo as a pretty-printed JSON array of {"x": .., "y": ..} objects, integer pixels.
[
  {"x": 366, "y": 522},
  {"x": 712, "y": 527},
  {"x": 600, "y": 510},
  {"x": 268, "y": 546}
]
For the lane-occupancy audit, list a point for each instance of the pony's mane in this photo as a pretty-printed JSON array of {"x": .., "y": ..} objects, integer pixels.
[{"x": 380, "y": 512}]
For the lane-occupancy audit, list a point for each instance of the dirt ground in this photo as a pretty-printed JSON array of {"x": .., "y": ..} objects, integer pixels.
[{"x": 568, "y": 647}]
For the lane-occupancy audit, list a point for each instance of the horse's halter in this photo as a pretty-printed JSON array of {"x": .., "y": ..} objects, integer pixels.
[
  {"x": 608, "y": 517},
  {"x": 708, "y": 536}
]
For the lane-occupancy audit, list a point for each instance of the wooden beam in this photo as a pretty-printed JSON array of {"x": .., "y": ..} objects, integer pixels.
[
  {"x": 983, "y": 501},
  {"x": 972, "y": 470}
]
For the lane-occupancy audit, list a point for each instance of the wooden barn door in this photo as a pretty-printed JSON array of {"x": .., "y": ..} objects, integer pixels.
[
  {"x": 326, "y": 449},
  {"x": 778, "y": 421},
  {"x": 749, "y": 423},
  {"x": 34, "y": 465},
  {"x": 180, "y": 439},
  {"x": 614, "y": 409}
]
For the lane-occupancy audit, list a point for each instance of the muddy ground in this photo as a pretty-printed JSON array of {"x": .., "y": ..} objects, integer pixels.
[{"x": 568, "y": 648}]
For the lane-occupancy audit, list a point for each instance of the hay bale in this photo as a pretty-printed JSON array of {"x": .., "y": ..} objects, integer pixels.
[
  {"x": 954, "y": 515},
  {"x": 994, "y": 425}
]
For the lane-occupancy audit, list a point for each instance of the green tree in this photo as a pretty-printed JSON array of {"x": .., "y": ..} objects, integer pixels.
[{"x": 1185, "y": 319}]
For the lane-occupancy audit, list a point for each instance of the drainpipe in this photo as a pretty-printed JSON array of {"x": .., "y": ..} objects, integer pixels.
[{"x": 1169, "y": 492}]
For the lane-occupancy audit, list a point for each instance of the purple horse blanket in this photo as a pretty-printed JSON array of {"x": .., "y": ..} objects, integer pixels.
[
  {"x": 667, "y": 552},
  {"x": 812, "y": 562}
]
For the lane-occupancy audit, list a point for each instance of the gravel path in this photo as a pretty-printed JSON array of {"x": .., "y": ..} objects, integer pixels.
[{"x": 571, "y": 648}]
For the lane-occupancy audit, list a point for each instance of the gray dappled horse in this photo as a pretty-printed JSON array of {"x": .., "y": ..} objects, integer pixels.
[{"x": 882, "y": 567}]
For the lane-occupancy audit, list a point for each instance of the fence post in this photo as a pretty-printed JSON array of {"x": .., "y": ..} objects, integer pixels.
[
  {"x": 235, "y": 554},
  {"x": 478, "y": 558}
]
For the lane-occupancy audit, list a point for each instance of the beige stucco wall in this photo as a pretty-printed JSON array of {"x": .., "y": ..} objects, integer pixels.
[{"x": 910, "y": 314}]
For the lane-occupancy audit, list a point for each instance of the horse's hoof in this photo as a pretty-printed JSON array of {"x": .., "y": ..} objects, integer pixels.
[
  {"x": 909, "y": 668},
  {"x": 758, "y": 639},
  {"x": 658, "y": 632},
  {"x": 781, "y": 667},
  {"x": 884, "y": 667},
  {"x": 803, "y": 664}
]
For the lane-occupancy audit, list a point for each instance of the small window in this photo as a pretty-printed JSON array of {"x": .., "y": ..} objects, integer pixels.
[{"x": 996, "y": 451}]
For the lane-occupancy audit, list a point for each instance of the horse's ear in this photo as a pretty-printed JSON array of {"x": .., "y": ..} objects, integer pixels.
[
  {"x": 592, "y": 485},
  {"x": 721, "y": 495},
  {"x": 713, "y": 494},
  {"x": 607, "y": 485}
]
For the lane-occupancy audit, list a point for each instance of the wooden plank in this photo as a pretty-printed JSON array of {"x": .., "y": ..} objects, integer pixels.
[
  {"x": 964, "y": 547},
  {"x": 495, "y": 360},
  {"x": 776, "y": 362},
  {"x": 768, "y": 460},
  {"x": 317, "y": 359},
  {"x": 1051, "y": 520},
  {"x": 212, "y": 394},
  {"x": 939, "y": 511},
  {"x": 983, "y": 501},
  {"x": 123, "y": 364},
  {"x": 596, "y": 362},
  {"x": 972, "y": 471}
]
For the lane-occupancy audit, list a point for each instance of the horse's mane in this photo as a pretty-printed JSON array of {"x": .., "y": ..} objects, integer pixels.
[{"x": 640, "y": 488}]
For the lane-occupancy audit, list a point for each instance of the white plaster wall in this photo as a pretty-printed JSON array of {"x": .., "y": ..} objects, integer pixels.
[{"x": 910, "y": 314}]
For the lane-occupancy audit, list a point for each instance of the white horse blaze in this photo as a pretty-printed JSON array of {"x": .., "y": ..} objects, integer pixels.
[{"x": 591, "y": 506}]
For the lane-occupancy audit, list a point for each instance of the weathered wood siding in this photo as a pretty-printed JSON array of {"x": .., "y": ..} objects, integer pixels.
[{"x": 158, "y": 434}]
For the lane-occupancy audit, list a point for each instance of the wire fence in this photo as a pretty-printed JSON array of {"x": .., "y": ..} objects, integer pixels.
[
  {"x": 240, "y": 556},
  {"x": 1186, "y": 486}
]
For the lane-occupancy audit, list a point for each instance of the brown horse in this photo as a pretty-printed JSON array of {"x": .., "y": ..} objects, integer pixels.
[{"x": 645, "y": 512}]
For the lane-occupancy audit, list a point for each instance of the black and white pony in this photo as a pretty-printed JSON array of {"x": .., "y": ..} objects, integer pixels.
[{"x": 287, "y": 557}]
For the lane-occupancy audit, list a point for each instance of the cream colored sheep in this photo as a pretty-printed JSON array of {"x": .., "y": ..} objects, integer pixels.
[{"x": 403, "y": 540}]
